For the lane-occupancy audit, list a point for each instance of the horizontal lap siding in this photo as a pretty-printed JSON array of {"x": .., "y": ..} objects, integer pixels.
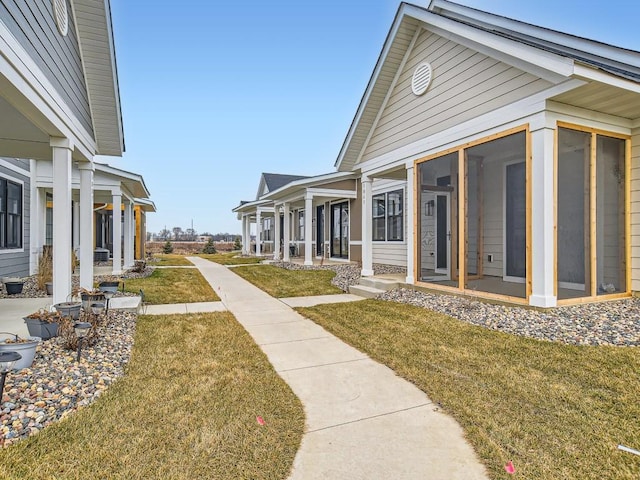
[
  {"x": 16, "y": 263},
  {"x": 32, "y": 23},
  {"x": 635, "y": 210},
  {"x": 391, "y": 253},
  {"x": 465, "y": 84}
]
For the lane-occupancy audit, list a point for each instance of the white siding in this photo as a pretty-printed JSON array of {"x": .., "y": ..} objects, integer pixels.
[
  {"x": 391, "y": 253},
  {"x": 465, "y": 84}
]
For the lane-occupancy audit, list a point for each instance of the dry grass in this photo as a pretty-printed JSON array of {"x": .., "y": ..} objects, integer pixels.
[
  {"x": 186, "y": 409},
  {"x": 557, "y": 411},
  {"x": 170, "y": 260},
  {"x": 282, "y": 283},
  {"x": 173, "y": 285},
  {"x": 230, "y": 258}
]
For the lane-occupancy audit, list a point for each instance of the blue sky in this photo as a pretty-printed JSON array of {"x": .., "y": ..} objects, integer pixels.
[{"x": 215, "y": 92}]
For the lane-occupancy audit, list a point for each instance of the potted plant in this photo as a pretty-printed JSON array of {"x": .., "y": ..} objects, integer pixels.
[
  {"x": 88, "y": 297},
  {"x": 24, "y": 346},
  {"x": 43, "y": 324},
  {"x": 69, "y": 309},
  {"x": 109, "y": 286}
]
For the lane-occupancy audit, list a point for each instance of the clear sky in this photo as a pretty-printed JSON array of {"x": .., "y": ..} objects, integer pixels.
[{"x": 215, "y": 92}]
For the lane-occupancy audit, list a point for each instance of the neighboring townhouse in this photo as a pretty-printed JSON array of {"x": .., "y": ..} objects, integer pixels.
[
  {"x": 499, "y": 159},
  {"x": 516, "y": 149},
  {"x": 59, "y": 102}
]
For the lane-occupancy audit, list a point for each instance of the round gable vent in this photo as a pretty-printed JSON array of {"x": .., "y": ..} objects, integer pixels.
[
  {"x": 61, "y": 16},
  {"x": 421, "y": 78}
]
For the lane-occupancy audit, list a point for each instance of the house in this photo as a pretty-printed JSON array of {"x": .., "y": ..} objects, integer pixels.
[
  {"x": 59, "y": 103},
  {"x": 499, "y": 159}
]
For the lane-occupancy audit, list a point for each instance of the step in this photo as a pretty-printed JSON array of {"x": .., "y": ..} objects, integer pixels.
[
  {"x": 127, "y": 304},
  {"x": 384, "y": 284},
  {"x": 365, "y": 291}
]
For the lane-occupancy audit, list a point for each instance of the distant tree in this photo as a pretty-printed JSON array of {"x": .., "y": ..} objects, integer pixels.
[
  {"x": 190, "y": 235},
  {"x": 209, "y": 247},
  {"x": 178, "y": 234},
  {"x": 237, "y": 244},
  {"x": 164, "y": 234},
  {"x": 168, "y": 248},
  {"x": 149, "y": 236}
]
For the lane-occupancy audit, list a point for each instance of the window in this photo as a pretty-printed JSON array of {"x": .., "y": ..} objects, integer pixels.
[
  {"x": 10, "y": 214},
  {"x": 388, "y": 217},
  {"x": 300, "y": 224},
  {"x": 266, "y": 229}
]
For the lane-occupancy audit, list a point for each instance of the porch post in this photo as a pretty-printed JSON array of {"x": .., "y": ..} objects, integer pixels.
[
  {"x": 287, "y": 233},
  {"x": 76, "y": 225},
  {"x": 117, "y": 231},
  {"x": 244, "y": 235},
  {"x": 410, "y": 231},
  {"x": 62, "y": 151},
  {"x": 128, "y": 237},
  {"x": 308, "y": 215},
  {"x": 37, "y": 220},
  {"x": 258, "y": 233},
  {"x": 86, "y": 225},
  {"x": 367, "y": 251},
  {"x": 542, "y": 218},
  {"x": 276, "y": 233}
]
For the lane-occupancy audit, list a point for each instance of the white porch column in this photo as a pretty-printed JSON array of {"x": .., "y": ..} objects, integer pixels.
[
  {"x": 410, "y": 231},
  {"x": 76, "y": 225},
  {"x": 367, "y": 234},
  {"x": 287, "y": 234},
  {"x": 86, "y": 225},
  {"x": 245, "y": 241},
  {"x": 62, "y": 151},
  {"x": 542, "y": 219},
  {"x": 258, "y": 233},
  {"x": 308, "y": 215},
  {"x": 128, "y": 235},
  {"x": 117, "y": 231},
  {"x": 276, "y": 233},
  {"x": 37, "y": 220}
]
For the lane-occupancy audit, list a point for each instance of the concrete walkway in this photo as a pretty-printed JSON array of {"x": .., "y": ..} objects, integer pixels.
[{"x": 362, "y": 421}]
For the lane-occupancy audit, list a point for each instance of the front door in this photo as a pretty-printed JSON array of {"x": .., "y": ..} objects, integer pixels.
[
  {"x": 340, "y": 230},
  {"x": 443, "y": 234},
  {"x": 320, "y": 230}
]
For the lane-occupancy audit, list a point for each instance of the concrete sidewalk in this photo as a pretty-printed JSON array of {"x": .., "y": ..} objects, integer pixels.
[{"x": 362, "y": 421}]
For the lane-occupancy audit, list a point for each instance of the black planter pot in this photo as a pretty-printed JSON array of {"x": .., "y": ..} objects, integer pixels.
[
  {"x": 89, "y": 298},
  {"x": 109, "y": 286},
  {"x": 38, "y": 328},
  {"x": 49, "y": 288},
  {"x": 14, "y": 288}
]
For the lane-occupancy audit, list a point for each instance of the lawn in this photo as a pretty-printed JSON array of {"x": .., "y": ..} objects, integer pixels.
[
  {"x": 172, "y": 285},
  {"x": 282, "y": 283},
  {"x": 556, "y": 411},
  {"x": 230, "y": 258},
  {"x": 170, "y": 260},
  {"x": 187, "y": 408}
]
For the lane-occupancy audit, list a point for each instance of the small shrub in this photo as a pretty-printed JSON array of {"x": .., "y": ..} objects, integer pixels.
[
  {"x": 209, "y": 247},
  {"x": 45, "y": 268},
  {"x": 168, "y": 248},
  {"x": 237, "y": 244},
  {"x": 139, "y": 266}
]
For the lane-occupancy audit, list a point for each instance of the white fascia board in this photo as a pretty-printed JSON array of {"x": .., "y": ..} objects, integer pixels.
[
  {"x": 308, "y": 182},
  {"x": 590, "y": 47},
  {"x": 250, "y": 207},
  {"x": 544, "y": 64},
  {"x": 15, "y": 168},
  {"x": 588, "y": 118},
  {"x": 330, "y": 192},
  {"x": 26, "y": 77},
  {"x": 582, "y": 71},
  {"x": 123, "y": 175},
  {"x": 146, "y": 204},
  {"x": 496, "y": 121},
  {"x": 265, "y": 209}
]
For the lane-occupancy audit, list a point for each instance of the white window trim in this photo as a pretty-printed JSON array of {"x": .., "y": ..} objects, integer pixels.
[
  {"x": 404, "y": 215},
  {"x": 7, "y": 251}
]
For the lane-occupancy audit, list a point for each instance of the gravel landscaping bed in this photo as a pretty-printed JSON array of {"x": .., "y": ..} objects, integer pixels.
[
  {"x": 604, "y": 323},
  {"x": 346, "y": 275},
  {"x": 57, "y": 385}
]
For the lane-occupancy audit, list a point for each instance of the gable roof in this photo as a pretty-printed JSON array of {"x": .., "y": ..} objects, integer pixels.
[
  {"x": 273, "y": 181},
  {"x": 95, "y": 38},
  {"x": 549, "y": 54}
]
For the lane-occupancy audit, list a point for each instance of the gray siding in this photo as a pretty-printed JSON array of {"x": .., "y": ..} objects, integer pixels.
[
  {"x": 32, "y": 23},
  {"x": 465, "y": 84},
  {"x": 16, "y": 263},
  {"x": 635, "y": 210}
]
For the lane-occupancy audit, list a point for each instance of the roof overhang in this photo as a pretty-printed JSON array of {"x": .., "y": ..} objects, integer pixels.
[
  {"x": 298, "y": 187},
  {"x": 133, "y": 182},
  {"x": 145, "y": 204}
]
